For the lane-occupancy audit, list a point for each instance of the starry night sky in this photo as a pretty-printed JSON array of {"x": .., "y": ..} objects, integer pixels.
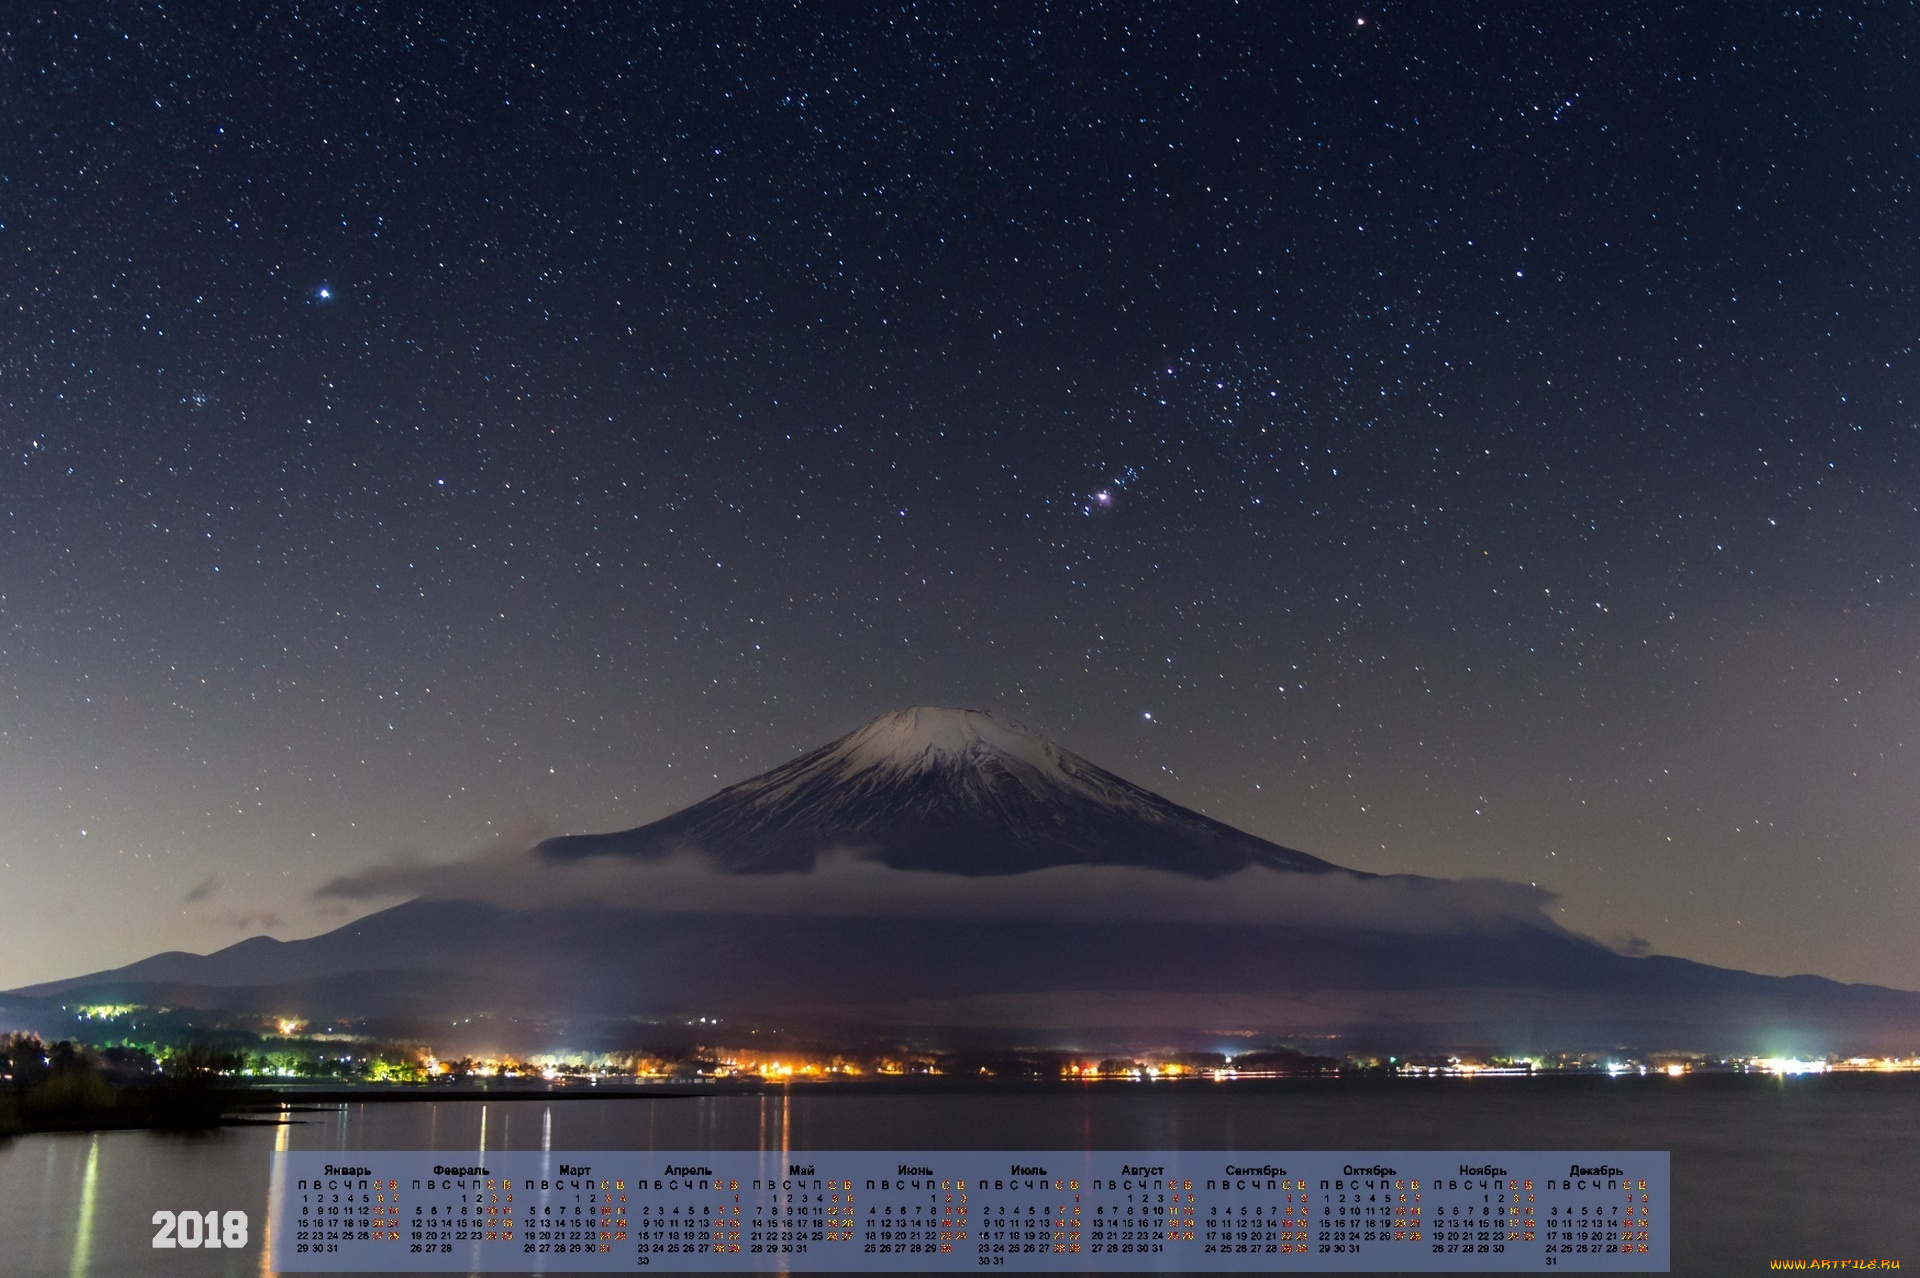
[{"x": 1473, "y": 440}]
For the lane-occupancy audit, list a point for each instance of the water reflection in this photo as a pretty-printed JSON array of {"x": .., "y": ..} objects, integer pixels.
[
  {"x": 276, "y": 1178},
  {"x": 83, "y": 1231},
  {"x": 80, "y": 1206}
]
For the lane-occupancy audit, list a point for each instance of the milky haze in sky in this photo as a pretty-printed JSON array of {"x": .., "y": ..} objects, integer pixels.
[{"x": 1470, "y": 440}]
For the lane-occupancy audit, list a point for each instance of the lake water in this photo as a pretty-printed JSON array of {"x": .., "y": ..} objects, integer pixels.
[{"x": 1762, "y": 1168}]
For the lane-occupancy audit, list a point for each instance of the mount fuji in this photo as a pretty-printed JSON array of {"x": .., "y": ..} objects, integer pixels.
[
  {"x": 951, "y": 791},
  {"x": 950, "y": 876}
]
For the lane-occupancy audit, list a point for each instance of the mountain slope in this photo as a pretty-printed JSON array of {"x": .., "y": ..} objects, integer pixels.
[
  {"x": 968, "y": 799},
  {"x": 956, "y": 791},
  {"x": 610, "y": 975}
]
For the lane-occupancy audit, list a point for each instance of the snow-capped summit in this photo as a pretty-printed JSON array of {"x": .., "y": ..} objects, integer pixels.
[
  {"x": 957, "y": 791},
  {"x": 932, "y": 736},
  {"x": 978, "y": 751}
]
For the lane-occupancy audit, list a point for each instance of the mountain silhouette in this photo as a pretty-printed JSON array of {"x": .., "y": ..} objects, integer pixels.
[
  {"x": 1134, "y": 926},
  {"x": 953, "y": 791}
]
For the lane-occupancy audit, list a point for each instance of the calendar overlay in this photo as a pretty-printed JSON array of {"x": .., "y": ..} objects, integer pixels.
[{"x": 1231, "y": 1211}]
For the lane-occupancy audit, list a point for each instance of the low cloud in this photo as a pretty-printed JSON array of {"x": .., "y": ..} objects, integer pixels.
[
  {"x": 842, "y": 885},
  {"x": 406, "y": 874},
  {"x": 203, "y": 889}
]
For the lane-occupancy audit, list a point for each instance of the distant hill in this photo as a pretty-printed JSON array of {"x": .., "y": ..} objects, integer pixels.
[{"x": 961, "y": 798}]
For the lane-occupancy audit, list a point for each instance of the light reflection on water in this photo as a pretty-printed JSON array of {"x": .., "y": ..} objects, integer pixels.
[
  {"x": 1804, "y": 1168},
  {"x": 282, "y": 1142},
  {"x": 83, "y": 1231}
]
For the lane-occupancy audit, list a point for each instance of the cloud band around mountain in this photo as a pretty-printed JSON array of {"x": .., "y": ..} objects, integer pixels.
[{"x": 844, "y": 885}]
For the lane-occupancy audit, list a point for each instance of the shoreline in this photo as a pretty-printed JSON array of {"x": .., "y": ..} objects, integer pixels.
[{"x": 272, "y": 1106}]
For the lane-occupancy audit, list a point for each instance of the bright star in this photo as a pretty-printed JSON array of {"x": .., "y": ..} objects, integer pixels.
[{"x": 324, "y": 293}]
